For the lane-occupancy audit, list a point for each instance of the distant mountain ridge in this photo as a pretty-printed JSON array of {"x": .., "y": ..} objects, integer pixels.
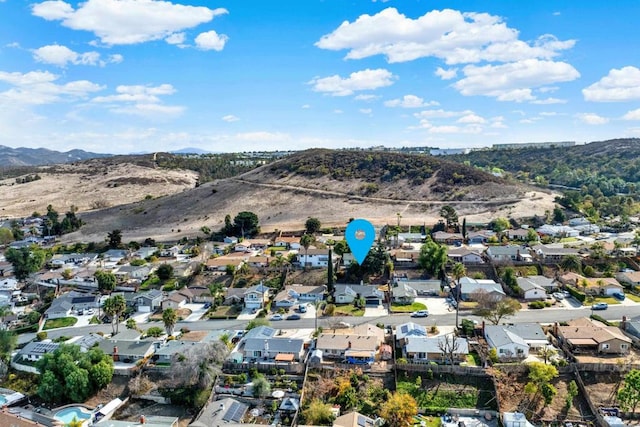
[{"x": 21, "y": 156}]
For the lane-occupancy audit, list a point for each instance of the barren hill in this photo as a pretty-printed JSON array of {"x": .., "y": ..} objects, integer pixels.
[{"x": 285, "y": 193}]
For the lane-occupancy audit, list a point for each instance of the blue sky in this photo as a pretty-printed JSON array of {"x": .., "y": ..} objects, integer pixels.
[{"x": 123, "y": 76}]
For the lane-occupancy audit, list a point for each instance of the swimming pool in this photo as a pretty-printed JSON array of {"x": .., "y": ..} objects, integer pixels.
[{"x": 68, "y": 414}]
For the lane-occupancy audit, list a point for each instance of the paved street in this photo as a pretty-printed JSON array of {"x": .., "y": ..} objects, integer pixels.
[{"x": 549, "y": 315}]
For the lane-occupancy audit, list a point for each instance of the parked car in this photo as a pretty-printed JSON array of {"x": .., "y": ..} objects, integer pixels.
[
  {"x": 341, "y": 325},
  {"x": 207, "y": 305},
  {"x": 600, "y": 306},
  {"x": 89, "y": 311},
  {"x": 558, "y": 295},
  {"x": 302, "y": 308},
  {"x": 619, "y": 296},
  {"x": 420, "y": 313},
  {"x": 277, "y": 317},
  {"x": 293, "y": 317}
]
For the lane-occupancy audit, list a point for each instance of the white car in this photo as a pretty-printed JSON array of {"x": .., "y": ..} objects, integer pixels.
[
  {"x": 558, "y": 295},
  {"x": 420, "y": 313},
  {"x": 277, "y": 317}
]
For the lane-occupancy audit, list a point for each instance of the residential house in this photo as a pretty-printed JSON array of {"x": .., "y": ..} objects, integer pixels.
[
  {"x": 242, "y": 247},
  {"x": 164, "y": 352},
  {"x": 346, "y": 294},
  {"x": 470, "y": 286},
  {"x": 557, "y": 231},
  {"x": 465, "y": 256},
  {"x": 221, "y": 412},
  {"x": 258, "y": 261},
  {"x": 316, "y": 258},
  {"x": 284, "y": 299},
  {"x": 531, "y": 333},
  {"x": 629, "y": 277},
  {"x": 436, "y": 349},
  {"x": 220, "y": 263},
  {"x": 261, "y": 343},
  {"x": 233, "y": 296},
  {"x": 402, "y": 293},
  {"x": 289, "y": 242},
  {"x": 545, "y": 283},
  {"x": 404, "y": 256},
  {"x": 170, "y": 252},
  {"x": 520, "y": 234},
  {"x": 509, "y": 253},
  {"x": 174, "y": 300},
  {"x": 583, "y": 335},
  {"x": 411, "y": 238},
  {"x": 307, "y": 293},
  {"x": 35, "y": 350},
  {"x": 132, "y": 272},
  {"x": 342, "y": 346},
  {"x": 256, "y": 296},
  {"x": 422, "y": 287},
  {"x": 115, "y": 255},
  {"x": 515, "y": 419},
  {"x": 448, "y": 238},
  {"x": 86, "y": 342},
  {"x": 145, "y": 252},
  {"x": 506, "y": 343},
  {"x": 593, "y": 286},
  {"x": 149, "y": 301},
  {"x": 355, "y": 419},
  {"x": 480, "y": 237},
  {"x": 554, "y": 253},
  {"x": 632, "y": 327},
  {"x": 531, "y": 291},
  {"x": 127, "y": 351},
  {"x": 62, "y": 305},
  {"x": 200, "y": 294},
  {"x": 407, "y": 330},
  {"x": 230, "y": 240},
  {"x": 258, "y": 244}
]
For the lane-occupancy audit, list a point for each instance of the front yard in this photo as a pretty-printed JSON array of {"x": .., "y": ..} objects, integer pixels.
[
  {"x": 347, "y": 310},
  {"x": 407, "y": 308},
  {"x": 225, "y": 312},
  {"x": 63, "y": 322}
]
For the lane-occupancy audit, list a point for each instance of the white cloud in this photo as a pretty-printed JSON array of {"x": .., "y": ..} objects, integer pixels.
[
  {"x": 211, "y": 41},
  {"x": 365, "y": 110},
  {"x": 59, "y": 55},
  {"x": 592, "y": 119},
  {"x": 632, "y": 115},
  {"x": 126, "y": 21},
  {"x": 230, "y": 118},
  {"x": 409, "y": 101},
  {"x": 448, "y": 34},
  {"x": 39, "y": 87},
  {"x": 449, "y": 74},
  {"x": 548, "y": 113},
  {"x": 549, "y": 101},
  {"x": 306, "y": 106},
  {"x": 441, "y": 114},
  {"x": 366, "y": 97},
  {"x": 176, "y": 38},
  {"x": 360, "y": 80},
  {"x": 141, "y": 101},
  {"x": 263, "y": 136},
  {"x": 512, "y": 81},
  {"x": 472, "y": 119},
  {"x": 618, "y": 85}
]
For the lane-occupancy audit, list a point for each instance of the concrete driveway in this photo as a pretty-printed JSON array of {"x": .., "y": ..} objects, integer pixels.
[
  {"x": 378, "y": 311},
  {"x": 197, "y": 311},
  {"x": 436, "y": 305}
]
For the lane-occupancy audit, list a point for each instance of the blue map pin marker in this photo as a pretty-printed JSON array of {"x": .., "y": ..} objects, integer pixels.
[{"x": 360, "y": 236}]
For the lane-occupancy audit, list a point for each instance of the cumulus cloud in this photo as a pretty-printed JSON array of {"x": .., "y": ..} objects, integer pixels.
[
  {"x": 592, "y": 119},
  {"x": 360, "y": 80},
  {"x": 448, "y": 34},
  {"x": 471, "y": 118},
  {"x": 365, "y": 110},
  {"x": 512, "y": 81},
  {"x": 117, "y": 22},
  {"x": 141, "y": 100},
  {"x": 40, "y": 87},
  {"x": 548, "y": 101},
  {"x": 176, "y": 38},
  {"x": 366, "y": 97},
  {"x": 618, "y": 85},
  {"x": 449, "y": 74},
  {"x": 59, "y": 55},
  {"x": 632, "y": 115},
  {"x": 211, "y": 41},
  {"x": 409, "y": 101},
  {"x": 230, "y": 118}
]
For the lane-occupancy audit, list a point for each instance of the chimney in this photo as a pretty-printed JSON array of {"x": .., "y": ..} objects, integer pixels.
[
  {"x": 116, "y": 357},
  {"x": 143, "y": 419}
]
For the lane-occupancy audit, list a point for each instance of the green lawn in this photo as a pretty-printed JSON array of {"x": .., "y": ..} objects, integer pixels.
[
  {"x": 63, "y": 322},
  {"x": 428, "y": 421},
  {"x": 633, "y": 297},
  {"x": 440, "y": 398},
  {"x": 348, "y": 310},
  {"x": 224, "y": 312},
  {"x": 399, "y": 308},
  {"x": 473, "y": 359},
  {"x": 608, "y": 300}
]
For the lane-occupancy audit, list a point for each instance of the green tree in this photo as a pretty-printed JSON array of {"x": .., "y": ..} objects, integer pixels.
[
  {"x": 341, "y": 247},
  {"x": 114, "y": 306},
  {"x": 629, "y": 393},
  {"x": 558, "y": 214},
  {"x": 450, "y": 215},
  {"x": 458, "y": 272},
  {"x": 114, "y": 239},
  {"x": 227, "y": 230},
  {"x": 532, "y": 235},
  {"x": 131, "y": 323},
  {"x": 165, "y": 271},
  {"x": 8, "y": 341},
  {"x": 317, "y": 413},
  {"x": 433, "y": 257},
  {"x": 246, "y": 224},
  {"x": 6, "y": 236},
  {"x": 106, "y": 281},
  {"x": 155, "y": 331},
  {"x": 259, "y": 321},
  {"x": 464, "y": 229},
  {"x": 305, "y": 241},
  {"x": 75, "y": 422},
  {"x": 540, "y": 377},
  {"x": 261, "y": 387},
  {"x": 399, "y": 410},
  {"x": 169, "y": 318},
  {"x": 205, "y": 230},
  {"x": 494, "y": 308},
  {"x": 571, "y": 263},
  {"x": 312, "y": 225},
  {"x": 500, "y": 224},
  {"x": 572, "y": 393},
  {"x": 25, "y": 260}
]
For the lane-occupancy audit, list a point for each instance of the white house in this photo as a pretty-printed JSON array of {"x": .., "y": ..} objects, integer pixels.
[
  {"x": 531, "y": 291},
  {"x": 256, "y": 296},
  {"x": 465, "y": 256},
  {"x": 507, "y": 343},
  {"x": 316, "y": 258},
  {"x": 469, "y": 286}
]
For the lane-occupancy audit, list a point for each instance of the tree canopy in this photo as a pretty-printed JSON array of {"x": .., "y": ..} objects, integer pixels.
[
  {"x": 169, "y": 318},
  {"x": 432, "y": 258},
  {"x": 115, "y": 306},
  {"x": 68, "y": 374},
  {"x": 494, "y": 308},
  {"x": 399, "y": 410},
  {"x": 312, "y": 225},
  {"x": 246, "y": 224},
  {"x": 25, "y": 260},
  {"x": 106, "y": 281},
  {"x": 629, "y": 393}
]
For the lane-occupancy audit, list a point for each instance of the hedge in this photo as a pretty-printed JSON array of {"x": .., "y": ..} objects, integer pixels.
[{"x": 580, "y": 296}]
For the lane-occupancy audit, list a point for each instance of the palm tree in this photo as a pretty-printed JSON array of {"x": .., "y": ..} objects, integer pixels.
[
  {"x": 169, "y": 317},
  {"x": 458, "y": 271},
  {"x": 114, "y": 306},
  {"x": 571, "y": 263},
  {"x": 306, "y": 241},
  {"x": 547, "y": 352}
]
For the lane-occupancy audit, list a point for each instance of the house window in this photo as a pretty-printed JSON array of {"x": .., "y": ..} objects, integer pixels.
[
  {"x": 257, "y": 353},
  {"x": 502, "y": 351},
  {"x": 623, "y": 346},
  {"x": 605, "y": 346}
]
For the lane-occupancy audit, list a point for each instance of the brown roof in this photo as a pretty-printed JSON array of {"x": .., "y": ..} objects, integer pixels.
[
  {"x": 280, "y": 357},
  {"x": 343, "y": 342},
  {"x": 223, "y": 261},
  {"x": 585, "y": 329},
  {"x": 592, "y": 282}
]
